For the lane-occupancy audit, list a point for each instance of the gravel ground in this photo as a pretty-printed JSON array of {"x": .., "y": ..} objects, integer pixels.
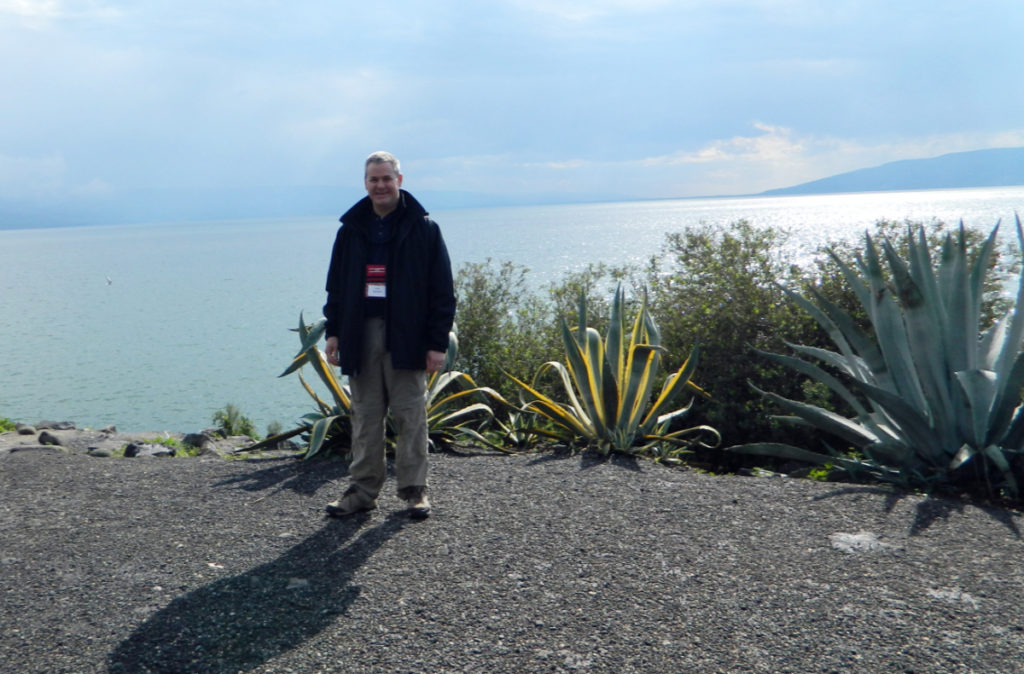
[{"x": 536, "y": 563}]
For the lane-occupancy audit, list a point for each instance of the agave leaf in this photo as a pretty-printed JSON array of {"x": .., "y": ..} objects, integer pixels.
[
  {"x": 438, "y": 402},
  {"x": 324, "y": 407},
  {"x": 1013, "y": 439},
  {"x": 674, "y": 386},
  {"x": 819, "y": 375},
  {"x": 272, "y": 441},
  {"x": 585, "y": 365},
  {"x": 682, "y": 437},
  {"x": 572, "y": 418},
  {"x": 993, "y": 344},
  {"x": 480, "y": 439},
  {"x": 665, "y": 419},
  {"x": 463, "y": 415},
  {"x": 781, "y": 450},
  {"x": 914, "y": 428},
  {"x": 963, "y": 332},
  {"x": 440, "y": 381},
  {"x": 312, "y": 333},
  {"x": 317, "y": 435},
  {"x": 995, "y": 454},
  {"x": 296, "y": 363},
  {"x": 850, "y": 431},
  {"x": 638, "y": 379},
  {"x": 853, "y": 281},
  {"x": 567, "y": 386},
  {"x": 837, "y": 335},
  {"x": 785, "y": 451},
  {"x": 1015, "y": 331},
  {"x": 614, "y": 349},
  {"x": 925, "y": 342},
  {"x": 891, "y": 332},
  {"x": 980, "y": 389},
  {"x": 863, "y": 358},
  {"x": 322, "y": 368}
]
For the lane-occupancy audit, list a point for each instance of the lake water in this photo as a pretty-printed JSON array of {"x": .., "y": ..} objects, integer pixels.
[{"x": 154, "y": 327}]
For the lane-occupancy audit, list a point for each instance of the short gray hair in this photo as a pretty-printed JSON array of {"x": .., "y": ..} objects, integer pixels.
[{"x": 382, "y": 157}]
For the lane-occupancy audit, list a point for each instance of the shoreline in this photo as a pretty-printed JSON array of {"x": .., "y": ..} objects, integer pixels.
[{"x": 65, "y": 436}]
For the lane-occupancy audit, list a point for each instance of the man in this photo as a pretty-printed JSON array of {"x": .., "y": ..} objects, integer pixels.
[{"x": 390, "y": 307}]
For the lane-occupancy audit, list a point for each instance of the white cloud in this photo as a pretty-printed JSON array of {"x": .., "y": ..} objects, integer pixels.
[
  {"x": 775, "y": 144},
  {"x": 31, "y": 9},
  {"x": 38, "y": 14}
]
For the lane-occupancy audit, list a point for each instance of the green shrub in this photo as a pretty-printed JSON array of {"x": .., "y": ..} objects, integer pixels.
[
  {"x": 6, "y": 425},
  {"x": 503, "y": 326},
  {"x": 720, "y": 286},
  {"x": 230, "y": 421}
]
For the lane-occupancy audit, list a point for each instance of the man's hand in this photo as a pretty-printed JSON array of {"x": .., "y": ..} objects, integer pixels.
[
  {"x": 332, "y": 351},
  {"x": 435, "y": 360}
]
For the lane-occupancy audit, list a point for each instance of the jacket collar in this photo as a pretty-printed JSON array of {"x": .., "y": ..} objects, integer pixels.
[{"x": 362, "y": 212}]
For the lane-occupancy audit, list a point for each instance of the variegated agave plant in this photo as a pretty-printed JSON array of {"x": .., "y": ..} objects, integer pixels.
[
  {"x": 936, "y": 401},
  {"x": 332, "y": 421},
  {"x": 609, "y": 382}
]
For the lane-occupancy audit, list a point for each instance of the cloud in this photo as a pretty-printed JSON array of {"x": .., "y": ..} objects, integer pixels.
[
  {"x": 31, "y": 9},
  {"x": 774, "y": 144},
  {"x": 39, "y": 14},
  {"x": 775, "y": 157}
]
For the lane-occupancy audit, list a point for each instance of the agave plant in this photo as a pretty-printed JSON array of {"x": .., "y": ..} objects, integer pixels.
[
  {"x": 456, "y": 407},
  {"x": 332, "y": 419},
  {"x": 935, "y": 401},
  {"x": 608, "y": 383}
]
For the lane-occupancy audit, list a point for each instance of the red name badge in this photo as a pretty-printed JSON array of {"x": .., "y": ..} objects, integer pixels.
[{"x": 376, "y": 280}]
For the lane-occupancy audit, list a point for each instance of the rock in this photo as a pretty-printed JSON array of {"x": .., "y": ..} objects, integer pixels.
[
  {"x": 864, "y": 541},
  {"x": 110, "y": 430},
  {"x": 202, "y": 440},
  {"x": 100, "y": 452},
  {"x": 142, "y": 449},
  {"x": 25, "y": 429},
  {"x": 214, "y": 432},
  {"x": 56, "y": 425},
  {"x": 48, "y": 438}
]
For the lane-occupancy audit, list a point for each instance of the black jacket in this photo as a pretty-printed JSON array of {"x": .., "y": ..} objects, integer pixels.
[{"x": 420, "y": 291}]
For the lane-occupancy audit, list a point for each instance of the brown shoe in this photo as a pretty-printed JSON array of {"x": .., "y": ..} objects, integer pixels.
[
  {"x": 416, "y": 500},
  {"x": 353, "y": 501}
]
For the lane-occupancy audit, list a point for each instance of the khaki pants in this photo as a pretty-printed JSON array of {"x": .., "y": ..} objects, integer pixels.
[{"x": 378, "y": 387}]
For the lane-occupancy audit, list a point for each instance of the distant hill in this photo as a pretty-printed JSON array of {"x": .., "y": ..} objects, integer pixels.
[{"x": 980, "y": 168}]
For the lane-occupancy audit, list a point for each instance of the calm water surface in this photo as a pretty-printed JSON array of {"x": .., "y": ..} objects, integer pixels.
[{"x": 154, "y": 327}]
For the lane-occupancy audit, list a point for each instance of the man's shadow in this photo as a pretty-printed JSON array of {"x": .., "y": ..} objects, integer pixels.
[{"x": 240, "y": 622}]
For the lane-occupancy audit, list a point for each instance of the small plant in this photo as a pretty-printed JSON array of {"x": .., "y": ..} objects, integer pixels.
[
  {"x": 230, "y": 421},
  {"x": 517, "y": 430},
  {"x": 820, "y": 474},
  {"x": 608, "y": 384},
  {"x": 6, "y": 425}
]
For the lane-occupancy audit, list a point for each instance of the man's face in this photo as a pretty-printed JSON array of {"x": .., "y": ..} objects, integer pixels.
[{"x": 382, "y": 185}]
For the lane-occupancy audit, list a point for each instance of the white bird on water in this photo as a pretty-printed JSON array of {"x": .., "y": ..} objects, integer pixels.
[{"x": 109, "y": 282}]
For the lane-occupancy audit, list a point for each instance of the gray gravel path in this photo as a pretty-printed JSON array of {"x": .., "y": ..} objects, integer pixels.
[{"x": 537, "y": 563}]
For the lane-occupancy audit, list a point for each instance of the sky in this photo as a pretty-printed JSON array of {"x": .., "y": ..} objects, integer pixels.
[{"x": 516, "y": 100}]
